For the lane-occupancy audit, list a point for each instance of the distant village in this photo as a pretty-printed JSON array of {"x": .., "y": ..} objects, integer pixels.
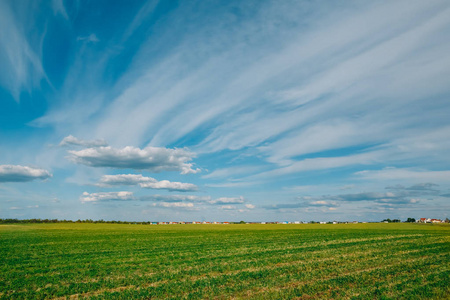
[
  {"x": 421, "y": 220},
  {"x": 425, "y": 220}
]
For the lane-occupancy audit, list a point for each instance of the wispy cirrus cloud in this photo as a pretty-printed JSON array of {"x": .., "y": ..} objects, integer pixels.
[
  {"x": 59, "y": 8},
  {"x": 17, "y": 173},
  {"x": 18, "y": 56}
]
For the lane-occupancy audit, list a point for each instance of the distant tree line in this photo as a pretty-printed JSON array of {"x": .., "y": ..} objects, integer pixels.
[
  {"x": 392, "y": 221},
  {"x": 17, "y": 221}
]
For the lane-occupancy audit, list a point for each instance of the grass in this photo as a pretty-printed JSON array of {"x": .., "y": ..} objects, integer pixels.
[{"x": 307, "y": 261}]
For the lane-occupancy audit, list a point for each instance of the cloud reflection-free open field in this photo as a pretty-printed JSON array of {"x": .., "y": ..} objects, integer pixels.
[{"x": 117, "y": 261}]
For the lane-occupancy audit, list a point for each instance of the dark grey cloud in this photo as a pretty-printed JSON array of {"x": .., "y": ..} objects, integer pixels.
[
  {"x": 16, "y": 173},
  {"x": 153, "y": 159},
  {"x": 395, "y": 187},
  {"x": 416, "y": 190},
  {"x": 398, "y": 197},
  {"x": 423, "y": 187},
  {"x": 416, "y": 187},
  {"x": 364, "y": 196}
]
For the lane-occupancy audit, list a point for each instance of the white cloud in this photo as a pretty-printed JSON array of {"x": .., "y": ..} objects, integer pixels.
[
  {"x": 176, "y": 198},
  {"x": 250, "y": 206},
  {"x": 92, "y": 38},
  {"x": 229, "y": 200},
  {"x": 228, "y": 207},
  {"x": 15, "y": 173},
  {"x": 174, "y": 205},
  {"x": 145, "y": 182},
  {"x": 109, "y": 196},
  {"x": 73, "y": 141},
  {"x": 170, "y": 186},
  {"x": 152, "y": 159},
  {"x": 124, "y": 179}
]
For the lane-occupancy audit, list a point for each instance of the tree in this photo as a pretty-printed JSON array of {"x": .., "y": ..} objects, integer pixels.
[{"x": 411, "y": 220}]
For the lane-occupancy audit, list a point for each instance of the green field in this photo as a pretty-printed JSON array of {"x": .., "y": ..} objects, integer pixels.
[{"x": 112, "y": 261}]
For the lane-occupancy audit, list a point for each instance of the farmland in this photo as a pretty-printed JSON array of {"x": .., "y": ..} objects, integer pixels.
[{"x": 307, "y": 261}]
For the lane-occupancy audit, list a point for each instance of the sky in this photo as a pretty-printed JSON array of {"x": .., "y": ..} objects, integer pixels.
[{"x": 225, "y": 110}]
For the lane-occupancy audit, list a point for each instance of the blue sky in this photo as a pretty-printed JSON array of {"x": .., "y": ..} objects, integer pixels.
[{"x": 224, "y": 110}]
